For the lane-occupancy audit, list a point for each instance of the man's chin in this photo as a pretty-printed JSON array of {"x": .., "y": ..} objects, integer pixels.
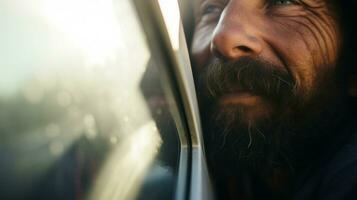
[
  {"x": 249, "y": 108},
  {"x": 246, "y": 135}
]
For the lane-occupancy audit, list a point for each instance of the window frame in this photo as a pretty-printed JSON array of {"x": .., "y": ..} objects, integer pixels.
[{"x": 193, "y": 178}]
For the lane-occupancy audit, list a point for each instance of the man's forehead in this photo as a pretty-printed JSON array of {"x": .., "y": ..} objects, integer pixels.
[
  {"x": 308, "y": 4},
  {"x": 198, "y": 2}
]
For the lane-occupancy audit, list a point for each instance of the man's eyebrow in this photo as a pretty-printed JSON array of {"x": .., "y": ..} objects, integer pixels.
[{"x": 314, "y": 3}]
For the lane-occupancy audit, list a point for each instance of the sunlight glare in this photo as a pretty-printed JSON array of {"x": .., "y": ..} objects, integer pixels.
[
  {"x": 89, "y": 24},
  {"x": 171, "y": 14}
]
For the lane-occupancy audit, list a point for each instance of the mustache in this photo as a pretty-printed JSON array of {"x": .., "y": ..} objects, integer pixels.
[{"x": 253, "y": 75}]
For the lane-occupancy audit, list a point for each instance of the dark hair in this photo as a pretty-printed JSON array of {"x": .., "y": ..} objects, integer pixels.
[{"x": 346, "y": 11}]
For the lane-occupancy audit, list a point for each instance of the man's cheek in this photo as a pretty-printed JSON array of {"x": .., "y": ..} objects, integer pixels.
[
  {"x": 307, "y": 46},
  {"x": 322, "y": 31}
]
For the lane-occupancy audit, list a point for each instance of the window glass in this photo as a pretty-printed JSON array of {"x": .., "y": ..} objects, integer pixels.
[{"x": 83, "y": 111}]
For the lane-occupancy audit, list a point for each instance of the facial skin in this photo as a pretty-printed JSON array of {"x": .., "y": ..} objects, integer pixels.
[
  {"x": 265, "y": 70},
  {"x": 298, "y": 37}
]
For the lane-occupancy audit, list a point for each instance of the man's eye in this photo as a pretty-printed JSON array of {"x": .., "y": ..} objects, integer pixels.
[
  {"x": 209, "y": 9},
  {"x": 284, "y": 2}
]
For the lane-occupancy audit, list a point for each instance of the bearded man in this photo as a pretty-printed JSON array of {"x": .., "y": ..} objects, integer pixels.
[{"x": 271, "y": 76}]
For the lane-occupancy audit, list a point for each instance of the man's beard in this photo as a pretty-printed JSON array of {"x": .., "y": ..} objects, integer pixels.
[{"x": 275, "y": 141}]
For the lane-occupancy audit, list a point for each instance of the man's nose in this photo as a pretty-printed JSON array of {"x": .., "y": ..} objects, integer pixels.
[{"x": 236, "y": 36}]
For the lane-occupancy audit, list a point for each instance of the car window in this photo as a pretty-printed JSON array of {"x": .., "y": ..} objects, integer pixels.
[{"x": 85, "y": 110}]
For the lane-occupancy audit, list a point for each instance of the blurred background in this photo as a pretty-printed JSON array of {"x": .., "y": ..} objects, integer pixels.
[{"x": 84, "y": 113}]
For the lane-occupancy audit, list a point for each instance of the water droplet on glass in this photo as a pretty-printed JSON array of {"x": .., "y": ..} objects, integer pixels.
[
  {"x": 64, "y": 99},
  {"x": 113, "y": 140},
  {"x": 33, "y": 93},
  {"x": 56, "y": 148},
  {"x": 90, "y": 126},
  {"x": 126, "y": 119},
  {"x": 52, "y": 130}
]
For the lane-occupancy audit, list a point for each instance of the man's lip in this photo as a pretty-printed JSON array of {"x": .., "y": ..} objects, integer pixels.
[{"x": 240, "y": 98}]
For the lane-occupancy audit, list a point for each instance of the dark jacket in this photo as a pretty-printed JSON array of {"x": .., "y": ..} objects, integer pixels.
[{"x": 334, "y": 177}]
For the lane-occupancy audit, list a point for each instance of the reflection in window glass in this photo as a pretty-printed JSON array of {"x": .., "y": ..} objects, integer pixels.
[{"x": 83, "y": 114}]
